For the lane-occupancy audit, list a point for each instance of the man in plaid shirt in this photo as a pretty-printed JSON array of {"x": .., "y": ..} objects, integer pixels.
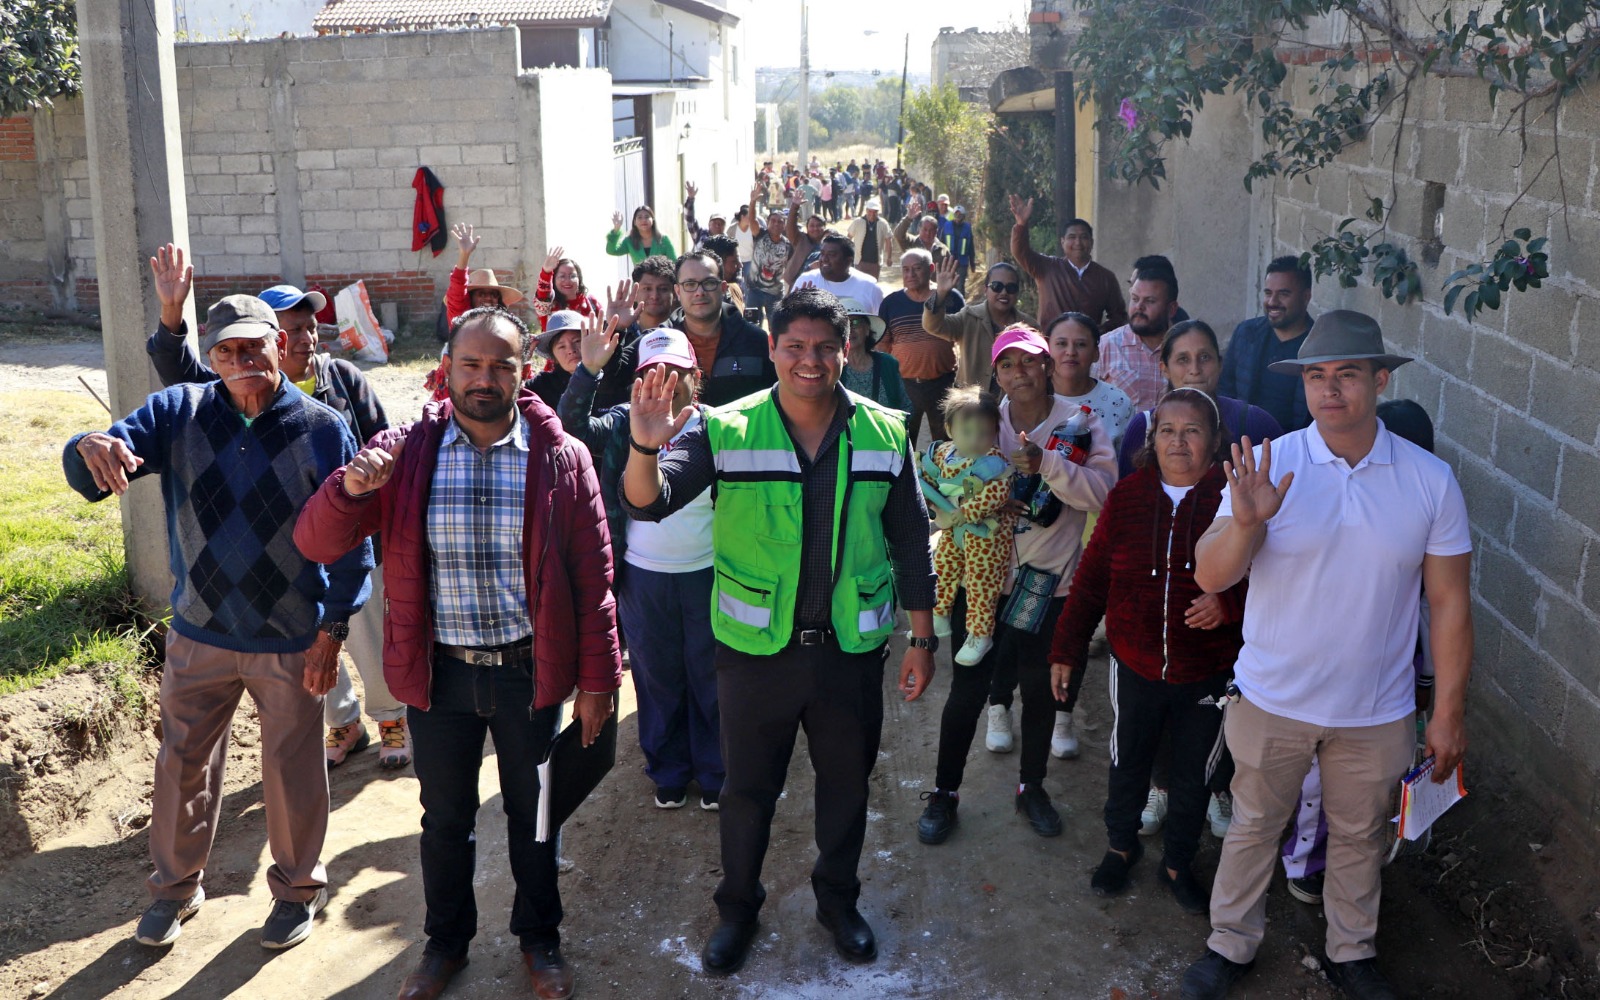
[{"x": 1130, "y": 355}]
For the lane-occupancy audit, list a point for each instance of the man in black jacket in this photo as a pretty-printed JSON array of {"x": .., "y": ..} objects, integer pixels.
[
  {"x": 733, "y": 353},
  {"x": 341, "y": 386}
]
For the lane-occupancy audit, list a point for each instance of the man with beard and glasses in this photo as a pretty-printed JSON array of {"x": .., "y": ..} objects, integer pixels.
[
  {"x": 1274, "y": 336},
  {"x": 1130, "y": 355},
  {"x": 340, "y": 385},
  {"x": 732, "y": 351},
  {"x": 238, "y": 456},
  {"x": 499, "y": 608}
]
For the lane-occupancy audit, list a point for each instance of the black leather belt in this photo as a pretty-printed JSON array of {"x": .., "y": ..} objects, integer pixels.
[
  {"x": 511, "y": 654},
  {"x": 811, "y": 636}
]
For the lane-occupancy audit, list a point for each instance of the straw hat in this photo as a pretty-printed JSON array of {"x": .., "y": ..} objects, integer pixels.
[{"x": 483, "y": 277}]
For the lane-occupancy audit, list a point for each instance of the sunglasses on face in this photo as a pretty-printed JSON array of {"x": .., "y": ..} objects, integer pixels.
[
  {"x": 708, "y": 285},
  {"x": 1001, "y": 287}
]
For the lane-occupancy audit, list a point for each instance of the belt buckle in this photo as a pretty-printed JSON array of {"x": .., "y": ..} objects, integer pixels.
[
  {"x": 812, "y": 636},
  {"x": 483, "y": 657}
]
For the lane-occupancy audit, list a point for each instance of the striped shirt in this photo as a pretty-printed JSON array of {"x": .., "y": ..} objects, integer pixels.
[{"x": 476, "y": 580}]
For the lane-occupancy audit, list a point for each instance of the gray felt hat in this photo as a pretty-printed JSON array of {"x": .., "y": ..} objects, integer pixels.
[{"x": 1341, "y": 335}]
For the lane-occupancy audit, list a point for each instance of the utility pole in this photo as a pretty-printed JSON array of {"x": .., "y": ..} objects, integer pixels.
[
  {"x": 805, "y": 84},
  {"x": 900, "y": 136}
]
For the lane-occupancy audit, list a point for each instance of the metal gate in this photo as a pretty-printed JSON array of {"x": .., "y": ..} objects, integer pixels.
[{"x": 627, "y": 161}]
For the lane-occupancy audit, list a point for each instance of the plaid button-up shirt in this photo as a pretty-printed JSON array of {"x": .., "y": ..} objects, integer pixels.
[
  {"x": 480, "y": 595},
  {"x": 1132, "y": 367}
]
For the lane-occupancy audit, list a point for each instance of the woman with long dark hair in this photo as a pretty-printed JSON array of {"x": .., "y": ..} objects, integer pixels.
[{"x": 642, "y": 240}]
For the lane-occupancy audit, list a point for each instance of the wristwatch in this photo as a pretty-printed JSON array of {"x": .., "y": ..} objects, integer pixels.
[
  {"x": 337, "y": 631},
  {"x": 930, "y": 643}
]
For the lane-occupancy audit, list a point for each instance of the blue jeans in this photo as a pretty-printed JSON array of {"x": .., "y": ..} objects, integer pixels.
[
  {"x": 469, "y": 703},
  {"x": 767, "y": 302},
  {"x": 668, "y": 620}
]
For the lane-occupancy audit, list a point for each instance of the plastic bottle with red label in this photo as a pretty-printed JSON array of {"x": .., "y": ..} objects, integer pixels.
[{"x": 1073, "y": 441}]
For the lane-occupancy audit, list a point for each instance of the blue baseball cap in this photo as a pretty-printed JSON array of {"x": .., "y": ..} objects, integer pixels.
[{"x": 284, "y": 297}]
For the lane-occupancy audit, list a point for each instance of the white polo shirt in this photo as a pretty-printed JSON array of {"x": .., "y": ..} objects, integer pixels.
[{"x": 1330, "y": 623}]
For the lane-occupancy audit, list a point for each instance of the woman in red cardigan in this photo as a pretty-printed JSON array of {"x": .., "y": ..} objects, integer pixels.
[
  {"x": 1172, "y": 645},
  {"x": 561, "y": 287}
]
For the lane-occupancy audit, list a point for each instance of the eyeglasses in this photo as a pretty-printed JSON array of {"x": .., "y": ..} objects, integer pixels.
[
  {"x": 708, "y": 285},
  {"x": 999, "y": 287}
]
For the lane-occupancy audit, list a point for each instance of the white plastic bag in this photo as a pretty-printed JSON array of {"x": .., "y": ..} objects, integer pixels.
[{"x": 358, "y": 327}]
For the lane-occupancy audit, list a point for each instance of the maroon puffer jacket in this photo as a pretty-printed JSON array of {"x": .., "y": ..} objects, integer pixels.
[
  {"x": 566, "y": 556},
  {"x": 1143, "y": 587}
]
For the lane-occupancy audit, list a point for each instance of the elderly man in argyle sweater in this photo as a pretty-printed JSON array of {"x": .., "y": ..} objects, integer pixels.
[{"x": 238, "y": 458}]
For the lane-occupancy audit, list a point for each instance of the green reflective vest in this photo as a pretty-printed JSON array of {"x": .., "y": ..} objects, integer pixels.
[{"x": 756, "y": 532}]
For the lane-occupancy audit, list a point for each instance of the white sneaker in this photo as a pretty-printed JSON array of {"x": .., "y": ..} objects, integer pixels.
[
  {"x": 1155, "y": 812},
  {"x": 1220, "y": 813},
  {"x": 1064, "y": 741},
  {"x": 941, "y": 626},
  {"x": 999, "y": 739},
  {"x": 974, "y": 650}
]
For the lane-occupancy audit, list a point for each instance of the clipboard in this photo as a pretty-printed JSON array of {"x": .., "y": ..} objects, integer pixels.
[{"x": 570, "y": 771}]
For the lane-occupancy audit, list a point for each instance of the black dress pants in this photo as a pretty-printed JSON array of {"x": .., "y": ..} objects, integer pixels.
[{"x": 838, "y": 698}]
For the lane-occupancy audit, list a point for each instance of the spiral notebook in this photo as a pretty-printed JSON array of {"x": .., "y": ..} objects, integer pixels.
[{"x": 1422, "y": 801}]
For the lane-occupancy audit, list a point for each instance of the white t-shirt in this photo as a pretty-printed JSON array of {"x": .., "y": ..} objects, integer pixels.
[
  {"x": 1176, "y": 493},
  {"x": 1111, "y": 405},
  {"x": 1330, "y": 623},
  {"x": 680, "y": 543},
  {"x": 746, "y": 241},
  {"x": 857, "y": 286}
]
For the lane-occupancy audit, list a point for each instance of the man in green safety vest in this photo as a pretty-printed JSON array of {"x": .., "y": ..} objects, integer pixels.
[{"x": 818, "y": 530}]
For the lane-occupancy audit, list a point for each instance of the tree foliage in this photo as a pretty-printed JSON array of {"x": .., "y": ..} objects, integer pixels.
[
  {"x": 38, "y": 54},
  {"x": 946, "y": 140},
  {"x": 1151, "y": 74}
]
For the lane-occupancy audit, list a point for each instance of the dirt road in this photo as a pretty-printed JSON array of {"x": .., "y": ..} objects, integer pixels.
[{"x": 995, "y": 912}]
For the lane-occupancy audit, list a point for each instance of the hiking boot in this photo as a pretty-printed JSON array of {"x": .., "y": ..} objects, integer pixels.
[
  {"x": 1064, "y": 740},
  {"x": 974, "y": 650},
  {"x": 999, "y": 739},
  {"x": 1154, "y": 814},
  {"x": 1192, "y": 897},
  {"x": 163, "y": 919},
  {"x": 939, "y": 818},
  {"x": 1307, "y": 889},
  {"x": 1112, "y": 875},
  {"x": 289, "y": 923},
  {"x": 1034, "y": 803},
  {"x": 1359, "y": 979},
  {"x": 394, "y": 745},
  {"x": 1220, "y": 813},
  {"x": 1211, "y": 977},
  {"x": 342, "y": 741},
  {"x": 671, "y": 797}
]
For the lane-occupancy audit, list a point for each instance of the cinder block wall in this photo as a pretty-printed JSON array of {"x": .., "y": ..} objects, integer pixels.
[
  {"x": 1515, "y": 396},
  {"x": 299, "y": 155}
]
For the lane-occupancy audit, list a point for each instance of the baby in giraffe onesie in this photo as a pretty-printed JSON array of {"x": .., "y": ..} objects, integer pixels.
[{"x": 967, "y": 482}]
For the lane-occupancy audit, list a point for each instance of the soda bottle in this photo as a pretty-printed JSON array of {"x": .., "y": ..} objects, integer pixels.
[{"x": 1073, "y": 441}]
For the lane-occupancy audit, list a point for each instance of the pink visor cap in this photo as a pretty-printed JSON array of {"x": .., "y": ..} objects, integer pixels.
[
  {"x": 666, "y": 346},
  {"x": 1021, "y": 337}
]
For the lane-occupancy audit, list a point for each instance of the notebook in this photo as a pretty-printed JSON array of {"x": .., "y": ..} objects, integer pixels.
[
  {"x": 1422, "y": 801},
  {"x": 570, "y": 771}
]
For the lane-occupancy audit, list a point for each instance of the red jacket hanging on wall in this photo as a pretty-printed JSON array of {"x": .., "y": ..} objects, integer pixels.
[{"x": 427, "y": 219}]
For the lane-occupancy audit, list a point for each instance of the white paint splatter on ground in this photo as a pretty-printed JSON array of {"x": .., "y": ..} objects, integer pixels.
[{"x": 679, "y": 951}]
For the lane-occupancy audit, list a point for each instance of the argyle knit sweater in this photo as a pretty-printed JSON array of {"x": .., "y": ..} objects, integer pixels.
[{"x": 232, "y": 492}]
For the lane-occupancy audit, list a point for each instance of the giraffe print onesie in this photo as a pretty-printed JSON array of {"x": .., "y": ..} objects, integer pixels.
[{"x": 976, "y": 552}]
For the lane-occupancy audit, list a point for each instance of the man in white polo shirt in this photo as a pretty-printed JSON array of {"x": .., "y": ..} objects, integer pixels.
[{"x": 1337, "y": 566}]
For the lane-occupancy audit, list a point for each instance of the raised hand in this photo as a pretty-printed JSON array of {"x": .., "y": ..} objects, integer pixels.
[
  {"x": 466, "y": 239},
  {"x": 1028, "y": 456},
  {"x": 1255, "y": 498},
  {"x": 1021, "y": 210},
  {"x": 173, "y": 279},
  {"x": 552, "y": 258},
  {"x": 597, "y": 342},
  {"x": 109, "y": 460},
  {"x": 622, "y": 302},
  {"x": 945, "y": 276},
  {"x": 651, "y": 421},
  {"x": 371, "y": 468},
  {"x": 689, "y": 191},
  {"x": 616, "y": 220}
]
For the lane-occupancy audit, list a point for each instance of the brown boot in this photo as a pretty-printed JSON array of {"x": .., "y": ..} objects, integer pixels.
[
  {"x": 431, "y": 976},
  {"x": 549, "y": 972}
]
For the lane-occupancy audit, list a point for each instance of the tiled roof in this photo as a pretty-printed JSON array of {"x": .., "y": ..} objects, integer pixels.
[{"x": 346, "y": 15}]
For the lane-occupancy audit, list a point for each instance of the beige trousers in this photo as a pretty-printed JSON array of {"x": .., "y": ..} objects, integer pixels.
[
  {"x": 1360, "y": 769},
  {"x": 200, "y": 689}
]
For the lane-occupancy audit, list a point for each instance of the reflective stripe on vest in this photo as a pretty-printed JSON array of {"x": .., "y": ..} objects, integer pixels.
[{"x": 757, "y": 464}]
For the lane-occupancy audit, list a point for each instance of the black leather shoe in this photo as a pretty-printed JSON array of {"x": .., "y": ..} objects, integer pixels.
[
  {"x": 1212, "y": 976},
  {"x": 1112, "y": 875},
  {"x": 1192, "y": 897},
  {"x": 852, "y": 935},
  {"x": 730, "y": 943},
  {"x": 1359, "y": 979},
  {"x": 939, "y": 819},
  {"x": 1034, "y": 803}
]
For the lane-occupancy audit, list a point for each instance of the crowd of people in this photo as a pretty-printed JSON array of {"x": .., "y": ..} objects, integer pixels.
[{"x": 718, "y": 469}]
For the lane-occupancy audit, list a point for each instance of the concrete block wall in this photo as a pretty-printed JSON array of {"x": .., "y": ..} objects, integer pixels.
[
  {"x": 21, "y": 222},
  {"x": 1513, "y": 395}
]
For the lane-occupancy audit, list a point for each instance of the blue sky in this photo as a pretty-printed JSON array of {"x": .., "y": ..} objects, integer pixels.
[{"x": 837, "y": 30}]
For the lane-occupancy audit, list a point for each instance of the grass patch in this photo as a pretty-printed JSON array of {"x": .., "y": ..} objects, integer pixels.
[
  {"x": 15, "y": 328},
  {"x": 65, "y": 602},
  {"x": 417, "y": 353}
]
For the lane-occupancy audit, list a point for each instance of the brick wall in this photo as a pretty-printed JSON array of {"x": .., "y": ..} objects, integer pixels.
[
  {"x": 1514, "y": 396},
  {"x": 16, "y": 139}
]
